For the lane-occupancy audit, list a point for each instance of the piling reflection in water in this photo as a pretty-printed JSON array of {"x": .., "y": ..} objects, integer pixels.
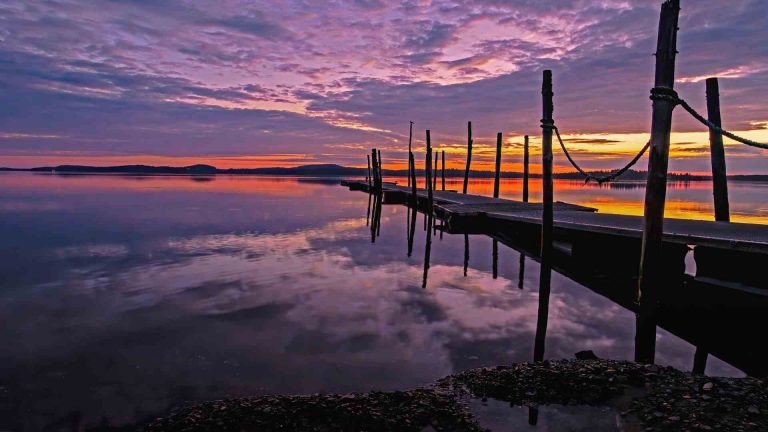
[{"x": 675, "y": 309}]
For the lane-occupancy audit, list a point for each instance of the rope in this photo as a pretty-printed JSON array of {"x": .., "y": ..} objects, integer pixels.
[
  {"x": 610, "y": 177},
  {"x": 718, "y": 129},
  {"x": 669, "y": 95}
]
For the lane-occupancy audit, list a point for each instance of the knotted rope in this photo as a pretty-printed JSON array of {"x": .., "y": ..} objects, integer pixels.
[{"x": 662, "y": 93}]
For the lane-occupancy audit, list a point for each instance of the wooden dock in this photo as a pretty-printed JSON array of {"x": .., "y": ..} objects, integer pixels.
[{"x": 582, "y": 232}]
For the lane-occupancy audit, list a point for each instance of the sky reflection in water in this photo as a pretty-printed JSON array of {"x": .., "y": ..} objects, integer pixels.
[{"x": 124, "y": 296}]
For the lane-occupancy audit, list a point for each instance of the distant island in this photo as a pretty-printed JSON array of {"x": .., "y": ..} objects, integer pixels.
[{"x": 333, "y": 170}]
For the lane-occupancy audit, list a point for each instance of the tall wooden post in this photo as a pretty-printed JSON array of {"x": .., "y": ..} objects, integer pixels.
[
  {"x": 717, "y": 153},
  {"x": 410, "y": 151},
  {"x": 525, "y": 170},
  {"x": 434, "y": 174},
  {"x": 498, "y": 166},
  {"x": 412, "y": 170},
  {"x": 545, "y": 274},
  {"x": 469, "y": 155},
  {"x": 443, "y": 170},
  {"x": 368, "y": 177},
  {"x": 547, "y": 124},
  {"x": 381, "y": 171},
  {"x": 374, "y": 161},
  {"x": 428, "y": 173},
  {"x": 652, "y": 261}
]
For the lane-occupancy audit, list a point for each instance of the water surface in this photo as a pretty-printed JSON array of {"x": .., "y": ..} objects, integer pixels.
[{"x": 123, "y": 296}]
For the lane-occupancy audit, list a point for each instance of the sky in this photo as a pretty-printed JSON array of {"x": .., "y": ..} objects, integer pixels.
[{"x": 285, "y": 83}]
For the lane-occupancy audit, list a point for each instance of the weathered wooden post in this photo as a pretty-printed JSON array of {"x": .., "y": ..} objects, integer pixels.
[
  {"x": 547, "y": 123},
  {"x": 374, "y": 161},
  {"x": 443, "y": 170},
  {"x": 410, "y": 151},
  {"x": 545, "y": 274},
  {"x": 469, "y": 155},
  {"x": 381, "y": 171},
  {"x": 412, "y": 180},
  {"x": 651, "y": 261},
  {"x": 525, "y": 170},
  {"x": 428, "y": 174},
  {"x": 717, "y": 153},
  {"x": 434, "y": 173},
  {"x": 498, "y": 166},
  {"x": 368, "y": 177}
]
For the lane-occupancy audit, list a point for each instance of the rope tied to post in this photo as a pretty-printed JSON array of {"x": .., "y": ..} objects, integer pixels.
[
  {"x": 669, "y": 95},
  {"x": 604, "y": 179}
]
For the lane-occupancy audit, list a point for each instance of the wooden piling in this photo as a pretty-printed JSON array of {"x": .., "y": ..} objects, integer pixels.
[
  {"x": 545, "y": 274},
  {"x": 546, "y": 165},
  {"x": 434, "y": 174},
  {"x": 469, "y": 156},
  {"x": 412, "y": 180},
  {"x": 525, "y": 170},
  {"x": 368, "y": 178},
  {"x": 410, "y": 151},
  {"x": 428, "y": 174},
  {"x": 381, "y": 171},
  {"x": 498, "y": 166},
  {"x": 717, "y": 153},
  {"x": 374, "y": 160},
  {"x": 652, "y": 261},
  {"x": 443, "y": 170}
]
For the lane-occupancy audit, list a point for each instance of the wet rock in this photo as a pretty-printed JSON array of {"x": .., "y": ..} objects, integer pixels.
[
  {"x": 586, "y": 355},
  {"x": 658, "y": 398}
]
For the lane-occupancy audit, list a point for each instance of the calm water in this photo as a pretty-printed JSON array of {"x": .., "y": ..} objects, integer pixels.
[{"x": 121, "y": 297}]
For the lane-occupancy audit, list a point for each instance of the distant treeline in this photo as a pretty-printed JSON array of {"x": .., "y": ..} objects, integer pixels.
[{"x": 342, "y": 171}]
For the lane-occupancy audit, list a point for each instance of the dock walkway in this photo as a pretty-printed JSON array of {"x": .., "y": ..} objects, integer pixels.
[{"x": 467, "y": 212}]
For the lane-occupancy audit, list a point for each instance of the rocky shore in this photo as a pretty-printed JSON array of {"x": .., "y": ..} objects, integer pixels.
[{"x": 646, "y": 397}]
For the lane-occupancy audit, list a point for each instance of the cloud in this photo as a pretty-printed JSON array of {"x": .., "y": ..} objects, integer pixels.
[{"x": 345, "y": 73}]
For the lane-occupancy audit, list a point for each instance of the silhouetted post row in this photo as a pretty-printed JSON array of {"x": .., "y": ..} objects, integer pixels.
[
  {"x": 525, "y": 170},
  {"x": 652, "y": 261},
  {"x": 469, "y": 156},
  {"x": 717, "y": 153},
  {"x": 498, "y": 166}
]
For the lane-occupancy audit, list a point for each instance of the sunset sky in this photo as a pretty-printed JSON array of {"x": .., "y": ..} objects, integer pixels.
[{"x": 268, "y": 83}]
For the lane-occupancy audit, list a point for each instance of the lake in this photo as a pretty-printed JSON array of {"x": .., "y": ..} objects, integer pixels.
[{"x": 123, "y": 296}]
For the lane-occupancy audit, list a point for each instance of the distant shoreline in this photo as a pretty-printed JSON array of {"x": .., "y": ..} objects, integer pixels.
[{"x": 332, "y": 170}]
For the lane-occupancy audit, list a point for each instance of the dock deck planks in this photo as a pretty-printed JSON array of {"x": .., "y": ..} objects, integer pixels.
[{"x": 571, "y": 217}]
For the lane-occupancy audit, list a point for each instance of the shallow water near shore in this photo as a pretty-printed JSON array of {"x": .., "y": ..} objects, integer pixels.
[{"x": 123, "y": 296}]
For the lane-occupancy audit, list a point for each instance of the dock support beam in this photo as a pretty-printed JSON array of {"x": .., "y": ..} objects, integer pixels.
[
  {"x": 498, "y": 166},
  {"x": 717, "y": 154},
  {"x": 434, "y": 174},
  {"x": 381, "y": 170},
  {"x": 651, "y": 260},
  {"x": 469, "y": 155}
]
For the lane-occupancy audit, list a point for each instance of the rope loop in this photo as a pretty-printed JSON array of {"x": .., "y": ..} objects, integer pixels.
[
  {"x": 548, "y": 124},
  {"x": 665, "y": 94},
  {"x": 600, "y": 180}
]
